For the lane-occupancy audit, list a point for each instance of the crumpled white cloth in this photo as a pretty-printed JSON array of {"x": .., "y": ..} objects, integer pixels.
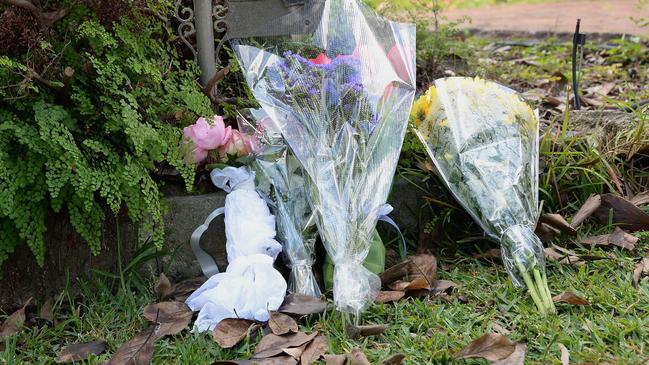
[
  {"x": 249, "y": 225},
  {"x": 250, "y": 286},
  {"x": 248, "y": 289}
]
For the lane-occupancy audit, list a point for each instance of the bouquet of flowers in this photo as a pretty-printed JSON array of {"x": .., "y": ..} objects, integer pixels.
[
  {"x": 340, "y": 98},
  {"x": 483, "y": 140},
  {"x": 282, "y": 181}
]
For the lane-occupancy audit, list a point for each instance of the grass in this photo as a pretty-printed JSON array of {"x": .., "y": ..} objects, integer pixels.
[{"x": 614, "y": 329}]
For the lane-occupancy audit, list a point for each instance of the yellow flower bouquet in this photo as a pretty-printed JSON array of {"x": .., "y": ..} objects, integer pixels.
[{"x": 483, "y": 139}]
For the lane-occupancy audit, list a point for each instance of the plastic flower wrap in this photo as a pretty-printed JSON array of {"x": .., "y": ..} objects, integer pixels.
[
  {"x": 282, "y": 180},
  {"x": 483, "y": 140},
  {"x": 340, "y": 98}
]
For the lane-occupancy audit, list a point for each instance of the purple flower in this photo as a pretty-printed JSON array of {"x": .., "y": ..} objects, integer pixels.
[{"x": 322, "y": 82}]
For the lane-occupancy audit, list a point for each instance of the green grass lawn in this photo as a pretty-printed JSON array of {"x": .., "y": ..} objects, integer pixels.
[{"x": 614, "y": 329}]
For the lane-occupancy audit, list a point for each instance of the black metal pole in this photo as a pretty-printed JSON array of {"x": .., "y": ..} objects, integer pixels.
[{"x": 575, "y": 81}]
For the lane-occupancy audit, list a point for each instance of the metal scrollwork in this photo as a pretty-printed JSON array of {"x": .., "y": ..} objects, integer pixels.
[
  {"x": 186, "y": 29},
  {"x": 219, "y": 12}
]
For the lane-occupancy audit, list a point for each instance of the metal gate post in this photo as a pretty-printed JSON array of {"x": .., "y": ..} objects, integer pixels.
[{"x": 205, "y": 39}]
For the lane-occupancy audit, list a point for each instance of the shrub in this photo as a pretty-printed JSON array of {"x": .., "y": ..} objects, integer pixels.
[{"x": 91, "y": 108}]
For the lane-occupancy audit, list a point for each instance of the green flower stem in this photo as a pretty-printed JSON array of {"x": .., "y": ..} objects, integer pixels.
[
  {"x": 543, "y": 282},
  {"x": 531, "y": 287}
]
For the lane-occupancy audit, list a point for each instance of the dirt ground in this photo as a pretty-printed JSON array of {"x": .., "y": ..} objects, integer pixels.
[{"x": 597, "y": 16}]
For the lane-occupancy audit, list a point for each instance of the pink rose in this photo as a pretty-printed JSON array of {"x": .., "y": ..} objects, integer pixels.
[
  {"x": 205, "y": 136},
  {"x": 239, "y": 145}
]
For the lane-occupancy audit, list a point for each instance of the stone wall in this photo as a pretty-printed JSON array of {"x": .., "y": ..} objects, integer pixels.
[{"x": 68, "y": 258}]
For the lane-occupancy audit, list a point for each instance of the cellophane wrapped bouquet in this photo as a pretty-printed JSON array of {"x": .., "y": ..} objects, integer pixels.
[
  {"x": 483, "y": 139},
  {"x": 341, "y": 98},
  {"x": 282, "y": 181}
]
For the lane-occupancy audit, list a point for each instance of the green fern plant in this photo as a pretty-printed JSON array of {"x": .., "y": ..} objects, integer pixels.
[{"x": 93, "y": 140}]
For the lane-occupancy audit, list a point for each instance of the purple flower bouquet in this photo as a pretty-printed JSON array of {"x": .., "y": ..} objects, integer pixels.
[{"x": 341, "y": 99}]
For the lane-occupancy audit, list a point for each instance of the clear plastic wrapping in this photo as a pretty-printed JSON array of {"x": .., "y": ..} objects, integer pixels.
[
  {"x": 340, "y": 98},
  {"x": 282, "y": 180},
  {"x": 483, "y": 139}
]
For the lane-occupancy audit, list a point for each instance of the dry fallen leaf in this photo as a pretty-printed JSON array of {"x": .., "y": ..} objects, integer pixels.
[
  {"x": 183, "y": 289},
  {"x": 281, "y": 323},
  {"x": 389, "y": 296},
  {"x": 423, "y": 272},
  {"x": 558, "y": 222},
  {"x": 163, "y": 287},
  {"x": 570, "y": 298},
  {"x": 14, "y": 323},
  {"x": 81, "y": 351},
  {"x": 586, "y": 210},
  {"x": 416, "y": 273},
  {"x": 565, "y": 355},
  {"x": 47, "y": 310},
  {"x": 137, "y": 351},
  {"x": 358, "y": 357},
  {"x": 552, "y": 101},
  {"x": 173, "y": 317},
  {"x": 516, "y": 358},
  {"x": 278, "y": 360},
  {"x": 399, "y": 285},
  {"x": 640, "y": 199},
  {"x": 623, "y": 213},
  {"x": 302, "y": 305},
  {"x": 272, "y": 344},
  {"x": 335, "y": 359},
  {"x": 613, "y": 174},
  {"x": 355, "y": 332},
  {"x": 552, "y": 254},
  {"x": 545, "y": 232},
  {"x": 314, "y": 350},
  {"x": 492, "y": 346},
  {"x": 601, "y": 90},
  {"x": 641, "y": 268},
  {"x": 618, "y": 238},
  {"x": 622, "y": 239},
  {"x": 394, "y": 360},
  {"x": 295, "y": 352},
  {"x": 441, "y": 286},
  {"x": 230, "y": 331}
]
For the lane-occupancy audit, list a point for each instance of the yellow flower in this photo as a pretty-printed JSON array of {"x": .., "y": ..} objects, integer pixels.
[
  {"x": 421, "y": 107},
  {"x": 419, "y": 110}
]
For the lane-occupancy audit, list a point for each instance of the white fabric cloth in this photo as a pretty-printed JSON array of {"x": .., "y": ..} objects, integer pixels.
[
  {"x": 248, "y": 289},
  {"x": 250, "y": 286},
  {"x": 249, "y": 225}
]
